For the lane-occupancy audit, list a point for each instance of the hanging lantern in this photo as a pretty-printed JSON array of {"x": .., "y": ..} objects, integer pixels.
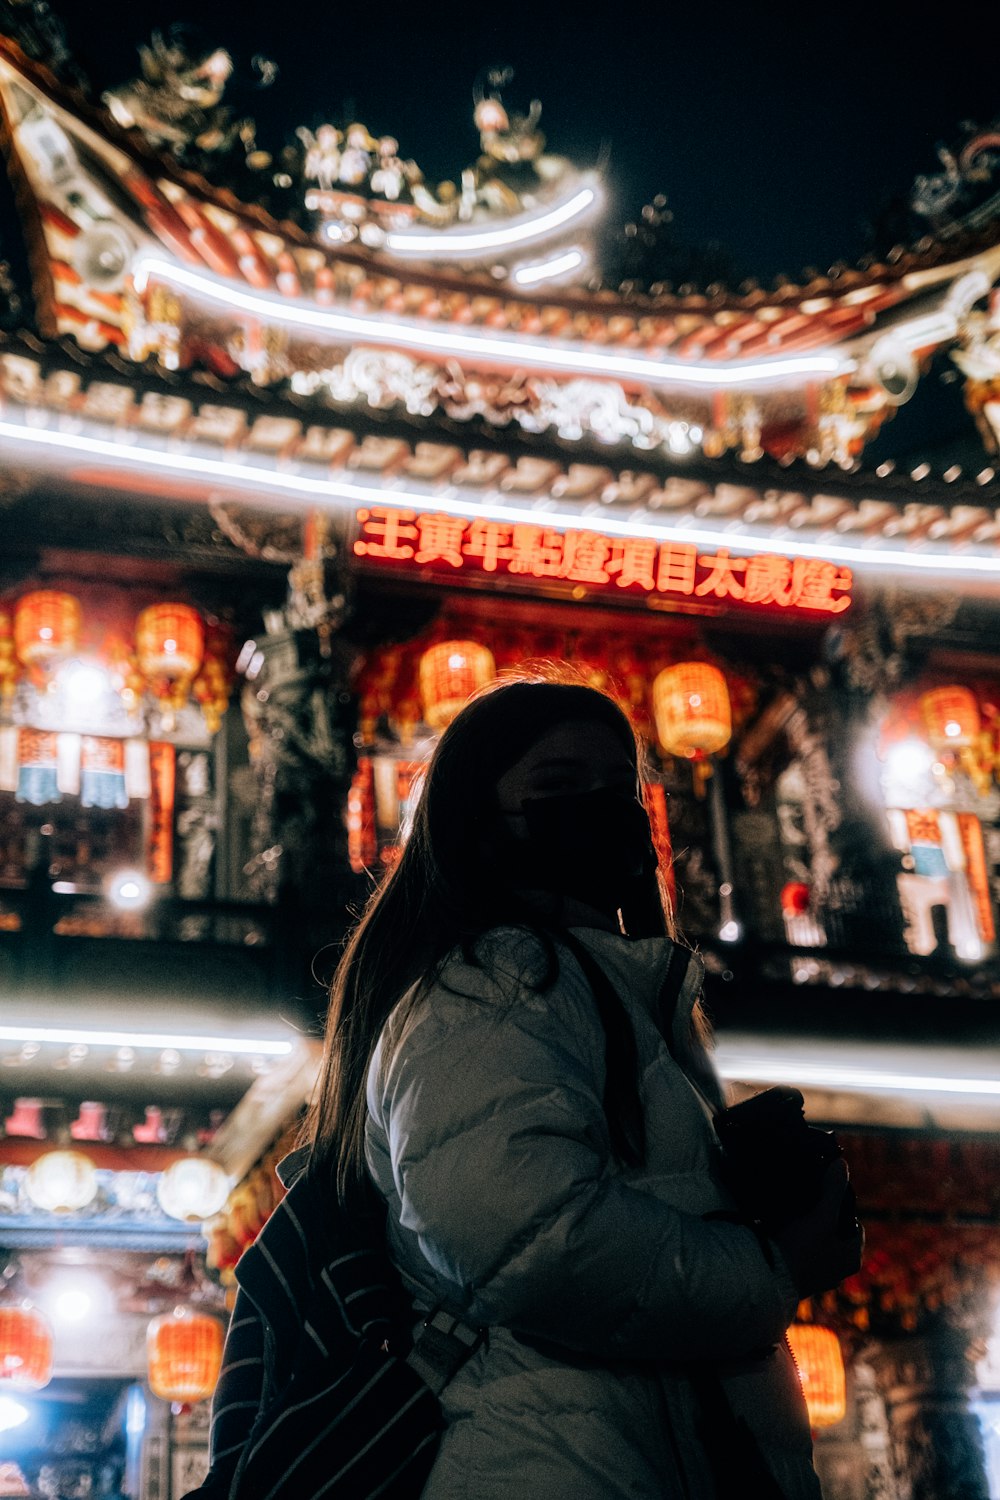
[
  {"x": 61, "y": 1182},
  {"x": 184, "y": 1350},
  {"x": 25, "y": 1348},
  {"x": 46, "y": 627},
  {"x": 691, "y": 710},
  {"x": 193, "y": 1189},
  {"x": 951, "y": 717},
  {"x": 821, "y": 1371},
  {"x": 450, "y": 673},
  {"x": 795, "y": 898},
  {"x": 169, "y": 643}
]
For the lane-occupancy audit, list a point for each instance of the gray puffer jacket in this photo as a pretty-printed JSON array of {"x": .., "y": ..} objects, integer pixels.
[{"x": 607, "y": 1293}]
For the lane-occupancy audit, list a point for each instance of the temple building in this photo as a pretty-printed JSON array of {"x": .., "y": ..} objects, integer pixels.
[{"x": 297, "y": 452}]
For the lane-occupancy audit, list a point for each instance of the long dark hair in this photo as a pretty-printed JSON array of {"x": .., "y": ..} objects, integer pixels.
[{"x": 442, "y": 894}]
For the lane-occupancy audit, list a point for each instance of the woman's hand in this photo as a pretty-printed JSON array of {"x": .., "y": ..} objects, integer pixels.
[{"x": 817, "y": 1251}]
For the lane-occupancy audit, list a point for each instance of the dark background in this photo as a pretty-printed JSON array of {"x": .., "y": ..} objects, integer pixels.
[{"x": 782, "y": 132}]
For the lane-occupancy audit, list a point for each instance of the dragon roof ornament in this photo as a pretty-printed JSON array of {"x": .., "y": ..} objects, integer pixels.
[
  {"x": 346, "y": 184},
  {"x": 967, "y": 187}
]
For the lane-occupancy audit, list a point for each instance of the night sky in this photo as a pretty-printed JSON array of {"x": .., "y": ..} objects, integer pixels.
[{"x": 780, "y": 132}]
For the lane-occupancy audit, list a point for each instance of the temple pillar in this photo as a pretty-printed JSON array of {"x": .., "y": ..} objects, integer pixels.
[
  {"x": 854, "y": 1459},
  {"x": 301, "y": 716},
  {"x": 924, "y": 1379}
]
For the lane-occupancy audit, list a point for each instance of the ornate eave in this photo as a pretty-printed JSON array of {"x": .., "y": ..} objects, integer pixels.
[
  {"x": 134, "y": 253},
  {"x": 97, "y": 422}
]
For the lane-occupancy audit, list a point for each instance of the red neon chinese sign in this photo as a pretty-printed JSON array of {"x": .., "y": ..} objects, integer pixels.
[{"x": 523, "y": 549}]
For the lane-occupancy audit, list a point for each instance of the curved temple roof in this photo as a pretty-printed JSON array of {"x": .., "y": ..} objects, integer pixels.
[{"x": 132, "y": 252}]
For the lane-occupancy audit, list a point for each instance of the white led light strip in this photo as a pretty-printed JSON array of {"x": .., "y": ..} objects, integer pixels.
[
  {"x": 340, "y": 492},
  {"x": 532, "y": 275},
  {"x": 841, "y": 1076},
  {"x": 179, "y": 1042},
  {"x": 521, "y": 352},
  {"x": 458, "y": 243}
]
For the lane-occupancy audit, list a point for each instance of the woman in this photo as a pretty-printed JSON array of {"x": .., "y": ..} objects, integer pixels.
[{"x": 507, "y": 1067}]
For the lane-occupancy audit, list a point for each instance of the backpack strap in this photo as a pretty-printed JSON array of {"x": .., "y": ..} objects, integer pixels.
[
  {"x": 623, "y": 1113},
  {"x": 609, "y": 1004},
  {"x": 678, "y": 963},
  {"x": 606, "y": 996},
  {"x": 441, "y": 1347},
  {"x": 301, "y": 1277}
]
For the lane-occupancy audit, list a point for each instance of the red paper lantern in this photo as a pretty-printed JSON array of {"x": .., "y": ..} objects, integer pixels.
[
  {"x": 821, "y": 1371},
  {"x": 46, "y": 627},
  {"x": 25, "y": 1348},
  {"x": 169, "y": 643},
  {"x": 450, "y": 673},
  {"x": 691, "y": 709},
  {"x": 951, "y": 716},
  {"x": 795, "y": 898},
  {"x": 184, "y": 1350}
]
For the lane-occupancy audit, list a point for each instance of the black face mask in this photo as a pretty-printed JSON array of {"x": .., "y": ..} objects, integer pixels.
[{"x": 596, "y": 846}]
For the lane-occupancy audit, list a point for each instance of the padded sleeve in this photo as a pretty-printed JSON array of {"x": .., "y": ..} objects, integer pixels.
[{"x": 501, "y": 1159}]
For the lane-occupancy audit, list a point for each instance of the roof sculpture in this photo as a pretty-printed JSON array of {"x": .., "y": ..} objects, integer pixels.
[
  {"x": 463, "y": 313},
  {"x": 341, "y": 182}
]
